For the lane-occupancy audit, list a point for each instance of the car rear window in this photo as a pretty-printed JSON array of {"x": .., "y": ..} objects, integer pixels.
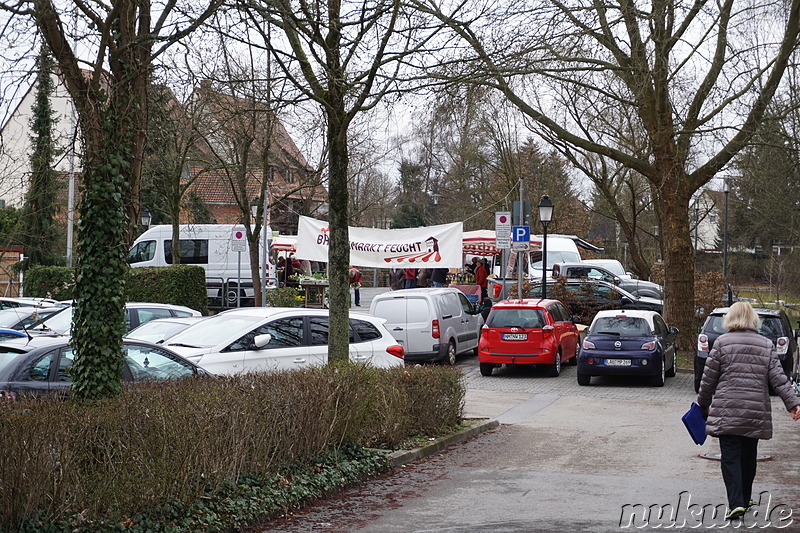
[
  {"x": 626, "y": 326},
  {"x": 770, "y": 326},
  {"x": 8, "y": 357},
  {"x": 365, "y": 330},
  {"x": 516, "y": 318}
]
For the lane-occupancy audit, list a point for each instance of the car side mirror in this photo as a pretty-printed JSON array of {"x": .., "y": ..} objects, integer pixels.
[
  {"x": 673, "y": 330},
  {"x": 262, "y": 340},
  {"x": 617, "y": 281}
]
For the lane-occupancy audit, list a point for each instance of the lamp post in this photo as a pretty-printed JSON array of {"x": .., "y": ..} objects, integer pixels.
[
  {"x": 696, "y": 228},
  {"x": 545, "y": 215},
  {"x": 254, "y": 211},
  {"x": 726, "y": 189},
  {"x": 146, "y": 217}
]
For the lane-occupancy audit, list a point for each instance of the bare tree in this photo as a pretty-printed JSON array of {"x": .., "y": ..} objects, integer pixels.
[
  {"x": 346, "y": 57},
  {"x": 695, "y": 78}
]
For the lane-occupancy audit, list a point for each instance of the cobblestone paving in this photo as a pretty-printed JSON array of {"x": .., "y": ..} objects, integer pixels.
[{"x": 535, "y": 381}]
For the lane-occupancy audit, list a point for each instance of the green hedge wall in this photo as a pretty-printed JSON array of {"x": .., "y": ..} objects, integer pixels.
[{"x": 179, "y": 285}]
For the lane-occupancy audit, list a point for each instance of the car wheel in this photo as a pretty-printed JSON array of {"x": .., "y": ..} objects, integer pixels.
[
  {"x": 698, "y": 374},
  {"x": 671, "y": 372},
  {"x": 555, "y": 368},
  {"x": 451, "y": 353},
  {"x": 486, "y": 369},
  {"x": 658, "y": 379},
  {"x": 584, "y": 379}
]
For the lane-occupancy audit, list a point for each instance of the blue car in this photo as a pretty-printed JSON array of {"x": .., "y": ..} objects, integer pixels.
[{"x": 628, "y": 343}]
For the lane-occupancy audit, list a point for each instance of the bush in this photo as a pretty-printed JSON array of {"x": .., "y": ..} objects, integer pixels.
[
  {"x": 284, "y": 297},
  {"x": 177, "y": 284},
  {"x": 50, "y": 282},
  {"x": 162, "y": 445}
]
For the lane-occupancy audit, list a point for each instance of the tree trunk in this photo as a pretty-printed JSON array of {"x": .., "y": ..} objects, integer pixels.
[
  {"x": 339, "y": 250},
  {"x": 679, "y": 308}
]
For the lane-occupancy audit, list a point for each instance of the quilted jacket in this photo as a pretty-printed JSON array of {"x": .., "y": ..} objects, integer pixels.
[{"x": 735, "y": 385}]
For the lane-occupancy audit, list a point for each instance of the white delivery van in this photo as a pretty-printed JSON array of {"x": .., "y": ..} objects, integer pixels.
[
  {"x": 211, "y": 246},
  {"x": 559, "y": 250},
  {"x": 432, "y": 323}
]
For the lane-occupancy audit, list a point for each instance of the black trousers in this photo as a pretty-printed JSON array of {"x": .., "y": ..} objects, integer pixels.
[{"x": 738, "y": 468}]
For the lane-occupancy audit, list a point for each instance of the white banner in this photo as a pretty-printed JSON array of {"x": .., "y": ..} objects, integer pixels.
[{"x": 425, "y": 247}]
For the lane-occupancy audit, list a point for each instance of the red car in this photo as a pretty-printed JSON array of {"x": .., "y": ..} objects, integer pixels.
[{"x": 528, "y": 332}]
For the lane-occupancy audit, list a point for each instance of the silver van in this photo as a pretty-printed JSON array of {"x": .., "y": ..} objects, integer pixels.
[{"x": 432, "y": 324}]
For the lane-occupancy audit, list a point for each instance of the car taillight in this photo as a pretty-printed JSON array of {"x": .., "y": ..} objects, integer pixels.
[
  {"x": 7, "y": 395},
  {"x": 782, "y": 346},
  {"x": 702, "y": 343},
  {"x": 396, "y": 350},
  {"x": 435, "y": 329},
  {"x": 587, "y": 345},
  {"x": 649, "y": 345}
]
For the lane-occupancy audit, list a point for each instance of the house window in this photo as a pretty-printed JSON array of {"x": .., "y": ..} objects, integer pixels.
[
  {"x": 289, "y": 176},
  {"x": 713, "y": 219}
]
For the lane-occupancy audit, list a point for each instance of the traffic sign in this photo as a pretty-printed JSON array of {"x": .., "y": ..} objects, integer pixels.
[
  {"x": 520, "y": 246},
  {"x": 502, "y": 224},
  {"x": 238, "y": 240},
  {"x": 502, "y": 243},
  {"x": 521, "y": 234}
]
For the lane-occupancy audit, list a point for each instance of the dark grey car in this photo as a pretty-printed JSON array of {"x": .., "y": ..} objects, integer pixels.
[
  {"x": 775, "y": 326},
  {"x": 637, "y": 287}
]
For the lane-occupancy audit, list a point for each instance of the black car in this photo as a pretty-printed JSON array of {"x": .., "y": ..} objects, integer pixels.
[
  {"x": 637, "y": 287},
  {"x": 585, "y": 297},
  {"x": 41, "y": 365},
  {"x": 775, "y": 326}
]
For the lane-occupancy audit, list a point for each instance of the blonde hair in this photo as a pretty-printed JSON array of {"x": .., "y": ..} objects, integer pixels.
[{"x": 741, "y": 316}]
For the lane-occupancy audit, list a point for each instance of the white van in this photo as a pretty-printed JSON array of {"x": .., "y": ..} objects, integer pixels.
[
  {"x": 432, "y": 323},
  {"x": 211, "y": 246},
  {"x": 559, "y": 250}
]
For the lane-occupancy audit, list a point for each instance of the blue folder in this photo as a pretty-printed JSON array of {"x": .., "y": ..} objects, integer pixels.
[{"x": 695, "y": 423}]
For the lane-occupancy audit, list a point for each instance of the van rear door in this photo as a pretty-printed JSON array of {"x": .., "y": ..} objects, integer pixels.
[{"x": 394, "y": 311}]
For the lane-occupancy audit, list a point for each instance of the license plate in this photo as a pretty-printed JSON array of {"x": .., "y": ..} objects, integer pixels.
[
  {"x": 515, "y": 336},
  {"x": 618, "y": 362}
]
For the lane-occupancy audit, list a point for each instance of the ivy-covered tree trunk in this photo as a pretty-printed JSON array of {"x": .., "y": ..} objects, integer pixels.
[
  {"x": 40, "y": 203},
  {"x": 98, "y": 321}
]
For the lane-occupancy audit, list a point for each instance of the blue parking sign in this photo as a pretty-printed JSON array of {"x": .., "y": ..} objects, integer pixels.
[{"x": 521, "y": 234}]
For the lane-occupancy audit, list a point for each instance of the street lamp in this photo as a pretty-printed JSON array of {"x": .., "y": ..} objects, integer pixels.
[
  {"x": 254, "y": 211},
  {"x": 545, "y": 215},
  {"x": 726, "y": 189},
  {"x": 146, "y": 218}
]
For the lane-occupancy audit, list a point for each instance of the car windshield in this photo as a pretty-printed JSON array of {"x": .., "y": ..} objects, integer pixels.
[
  {"x": 622, "y": 326},
  {"x": 770, "y": 326},
  {"x": 157, "y": 330},
  {"x": 215, "y": 330},
  {"x": 8, "y": 357},
  {"x": 557, "y": 257},
  {"x": 615, "y": 267},
  {"x": 11, "y": 317},
  {"x": 60, "y": 322},
  {"x": 516, "y": 318}
]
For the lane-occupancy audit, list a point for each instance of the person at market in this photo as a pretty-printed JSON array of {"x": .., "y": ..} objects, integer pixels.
[
  {"x": 734, "y": 397},
  {"x": 280, "y": 270},
  {"x": 481, "y": 277},
  {"x": 439, "y": 277},
  {"x": 355, "y": 284},
  {"x": 397, "y": 279},
  {"x": 410, "y": 278}
]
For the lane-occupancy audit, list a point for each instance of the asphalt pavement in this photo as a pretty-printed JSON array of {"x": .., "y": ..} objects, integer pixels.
[{"x": 613, "y": 456}]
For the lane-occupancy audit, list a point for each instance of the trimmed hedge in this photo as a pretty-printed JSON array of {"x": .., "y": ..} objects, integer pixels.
[
  {"x": 178, "y": 285},
  {"x": 167, "y": 446}
]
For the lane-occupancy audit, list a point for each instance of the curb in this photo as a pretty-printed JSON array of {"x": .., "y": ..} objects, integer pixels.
[{"x": 400, "y": 457}]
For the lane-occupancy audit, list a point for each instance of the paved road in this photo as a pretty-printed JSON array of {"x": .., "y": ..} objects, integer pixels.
[{"x": 566, "y": 458}]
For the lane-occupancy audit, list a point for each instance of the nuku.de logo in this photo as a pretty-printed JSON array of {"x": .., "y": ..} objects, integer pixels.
[{"x": 764, "y": 514}]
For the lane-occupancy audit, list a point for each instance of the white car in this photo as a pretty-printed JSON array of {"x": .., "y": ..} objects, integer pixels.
[
  {"x": 136, "y": 313},
  {"x": 280, "y": 338},
  {"x": 161, "y": 329}
]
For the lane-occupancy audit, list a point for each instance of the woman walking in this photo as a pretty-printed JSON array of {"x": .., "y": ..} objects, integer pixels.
[{"x": 734, "y": 395}]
